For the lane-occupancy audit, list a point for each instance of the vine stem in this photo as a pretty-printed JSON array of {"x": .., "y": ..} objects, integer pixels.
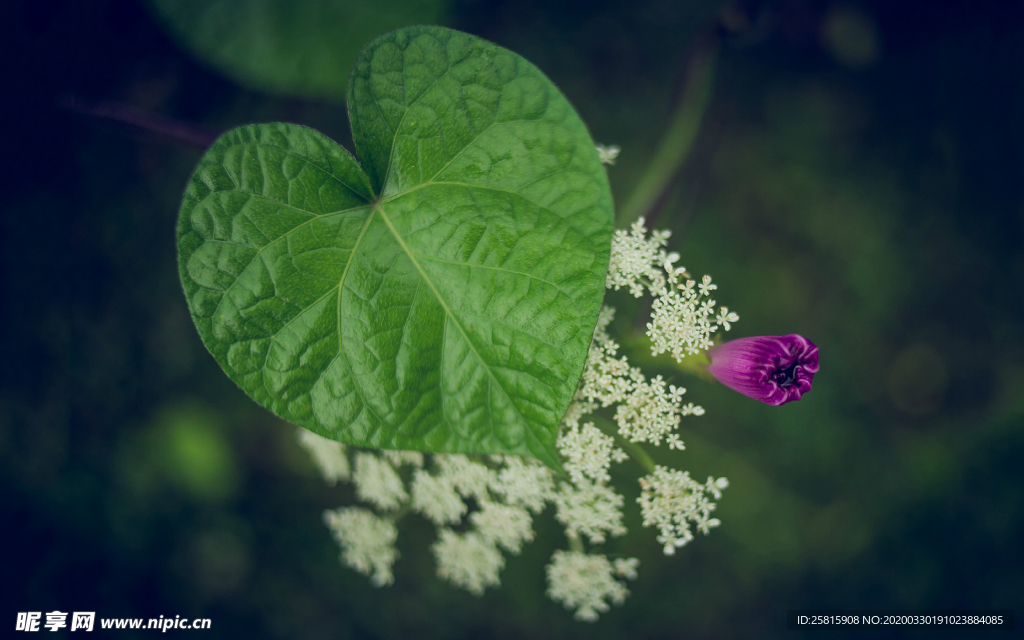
[
  {"x": 682, "y": 131},
  {"x": 185, "y": 133}
]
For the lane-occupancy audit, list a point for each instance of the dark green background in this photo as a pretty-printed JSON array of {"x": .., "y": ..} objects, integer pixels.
[{"x": 875, "y": 207}]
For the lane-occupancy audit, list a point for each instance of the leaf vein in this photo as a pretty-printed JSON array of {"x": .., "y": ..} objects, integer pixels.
[
  {"x": 448, "y": 311},
  {"x": 486, "y": 266},
  {"x": 310, "y": 162}
]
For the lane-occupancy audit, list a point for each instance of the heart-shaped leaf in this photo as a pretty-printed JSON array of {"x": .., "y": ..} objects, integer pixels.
[
  {"x": 444, "y": 300},
  {"x": 304, "y": 47}
]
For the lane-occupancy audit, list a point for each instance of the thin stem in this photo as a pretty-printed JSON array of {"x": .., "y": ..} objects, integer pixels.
[
  {"x": 402, "y": 511},
  {"x": 575, "y": 544},
  {"x": 182, "y": 132},
  {"x": 682, "y": 131},
  {"x": 637, "y": 346},
  {"x": 635, "y": 451}
]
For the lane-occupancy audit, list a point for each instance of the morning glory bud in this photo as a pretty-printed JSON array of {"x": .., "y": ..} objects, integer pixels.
[{"x": 772, "y": 369}]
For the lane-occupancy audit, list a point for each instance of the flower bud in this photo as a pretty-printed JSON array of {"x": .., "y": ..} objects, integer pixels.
[{"x": 772, "y": 369}]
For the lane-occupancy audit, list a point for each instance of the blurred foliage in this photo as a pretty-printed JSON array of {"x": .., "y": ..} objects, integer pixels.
[
  {"x": 870, "y": 202},
  {"x": 303, "y": 48},
  {"x": 186, "y": 449}
]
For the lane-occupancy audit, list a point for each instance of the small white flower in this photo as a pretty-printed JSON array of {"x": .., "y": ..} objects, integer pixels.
[
  {"x": 673, "y": 442},
  {"x": 328, "y": 455},
  {"x": 626, "y": 567},
  {"x": 586, "y": 582},
  {"x": 607, "y": 155},
  {"x": 469, "y": 560},
  {"x": 367, "y": 542},
  {"x": 706, "y": 287},
  {"x": 435, "y": 497},
  {"x": 691, "y": 409},
  {"x": 505, "y": 525},
  {"x": 377, "y": 482},
  {"x": 726, "y": 318}
]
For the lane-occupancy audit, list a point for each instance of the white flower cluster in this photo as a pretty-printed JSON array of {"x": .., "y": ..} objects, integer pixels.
[
  {"x": 505, "y": 489},
  {"x": 367, "y": 542},
  {"x": 683, "y": 313},
  {"x": 588, "y": 452},
  {"x": 586, "y": 581},
  {"x": 670, "y": 499},
  {"x": 468, "y": 560},
  {"x": 329, "y": 456},
  {"x": 639, "y": 262},
  {"x": 377, "y": 482},
  {"x": 681, "y": 318},
  {"x": 647, "y": 411},
  {"x": 484, "y": 507}
]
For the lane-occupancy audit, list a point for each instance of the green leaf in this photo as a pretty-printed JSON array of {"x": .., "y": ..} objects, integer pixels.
[
  {"x": 445, "y": 299},
  {"x": 305, "y": 47}
]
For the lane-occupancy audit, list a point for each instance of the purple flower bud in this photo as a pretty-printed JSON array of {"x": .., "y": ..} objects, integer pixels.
[{"x": 772, "y": 369}]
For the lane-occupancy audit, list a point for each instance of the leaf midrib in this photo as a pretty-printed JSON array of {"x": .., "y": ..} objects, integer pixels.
[
  {"x": 395, "y": 132},
  {"x": 450, "y": 314}
]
